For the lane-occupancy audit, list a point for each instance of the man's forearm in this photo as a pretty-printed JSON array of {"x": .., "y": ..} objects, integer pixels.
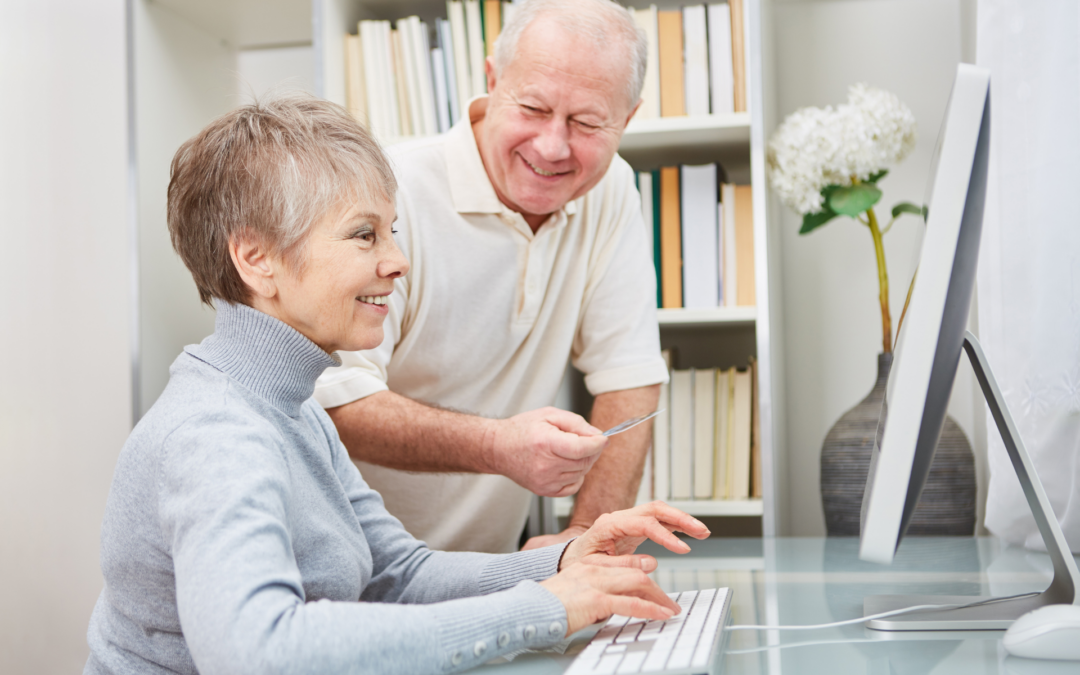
[
  {"x": 612, "y": 484},
  {"x": 392, "y": 430}
]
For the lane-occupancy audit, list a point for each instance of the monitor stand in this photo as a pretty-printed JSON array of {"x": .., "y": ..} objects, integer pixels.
[{"x": 995, "y": 615}]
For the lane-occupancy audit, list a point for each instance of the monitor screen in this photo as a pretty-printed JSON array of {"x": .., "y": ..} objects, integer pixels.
[{"x": 931, "y": 333}]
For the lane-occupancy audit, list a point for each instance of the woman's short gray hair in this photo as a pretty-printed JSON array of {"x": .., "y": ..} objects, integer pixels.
[
  {"x": 597, "y": 20},
  {"x": 269, "y": 170}
]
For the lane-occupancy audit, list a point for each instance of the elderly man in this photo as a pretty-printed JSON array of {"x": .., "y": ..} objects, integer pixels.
[{"x": 528, "y": 250}]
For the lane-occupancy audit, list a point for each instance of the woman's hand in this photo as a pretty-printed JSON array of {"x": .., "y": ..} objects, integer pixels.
[
  {"x": 615, "y": 536},
  {"x": 591, "y": 593}
]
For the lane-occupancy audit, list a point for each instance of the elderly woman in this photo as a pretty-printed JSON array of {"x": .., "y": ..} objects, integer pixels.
[{"x": 238, "y": 535}]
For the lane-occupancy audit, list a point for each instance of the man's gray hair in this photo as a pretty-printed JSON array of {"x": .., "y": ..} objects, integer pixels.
[
  {"x": 596, "y": 20},
  {"x": 270, "y": 171}
]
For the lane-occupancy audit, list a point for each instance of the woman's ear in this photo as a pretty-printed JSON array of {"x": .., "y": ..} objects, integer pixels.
[{"x": 254, "y": 264}]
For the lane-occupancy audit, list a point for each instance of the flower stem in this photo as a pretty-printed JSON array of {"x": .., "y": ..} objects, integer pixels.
[{"x": 883, "y": 282}]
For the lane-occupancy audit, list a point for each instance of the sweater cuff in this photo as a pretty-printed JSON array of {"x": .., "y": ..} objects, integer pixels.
[
  {"x": 505, "y": 571},
  {"x": 528, "y": 616}
]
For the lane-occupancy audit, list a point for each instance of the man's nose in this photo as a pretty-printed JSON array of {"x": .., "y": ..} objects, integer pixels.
[{"x": 553, "y": 141}]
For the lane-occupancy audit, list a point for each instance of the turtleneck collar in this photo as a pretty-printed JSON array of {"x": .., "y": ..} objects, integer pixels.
[{"x": 265, "y": 355}]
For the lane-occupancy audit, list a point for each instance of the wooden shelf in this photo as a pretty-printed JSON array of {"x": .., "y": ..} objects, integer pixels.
[
  {"x": 715, "y": 316},
  {"x": 733, "y": 507}
]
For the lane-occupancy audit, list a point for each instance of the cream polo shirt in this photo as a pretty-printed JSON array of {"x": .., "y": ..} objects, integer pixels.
[{"x": 488, "y": 317}]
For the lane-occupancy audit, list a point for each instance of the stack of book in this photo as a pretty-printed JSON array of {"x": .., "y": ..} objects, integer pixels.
[
  {"x": 402, "y": 81},
  {"x": 697, "y": 60},
  {"x": 706, "y": 445},
  {"x": 701, "y": 233}
]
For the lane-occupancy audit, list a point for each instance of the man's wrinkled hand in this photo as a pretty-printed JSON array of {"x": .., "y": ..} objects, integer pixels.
[
  {"x": 615, "y": 536},
  {"x": 551, "y": 539},
  {"x": 546, "y": 451}
]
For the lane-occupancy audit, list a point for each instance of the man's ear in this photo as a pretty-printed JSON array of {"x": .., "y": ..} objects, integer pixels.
[
  {"x": 254, "y": 264},
  {"x": 489, "y": 68}
]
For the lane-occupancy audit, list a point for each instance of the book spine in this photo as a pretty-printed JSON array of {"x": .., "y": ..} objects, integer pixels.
[
  {"x": 656, "y": 237},
  {"x": 459, "y": 33},
  {"x": 446, "y": 41},
  {"x": 704, "y": 424},
  {"x": 695, "y": 60},
  {"x": 670, "y": 56},
  {"x": 670, "y": 237},
  {"x": 492, "y": 25},
  {"x": 722, "y": 87},
  {"x": 422, "y": 43},
  {"x": 738, "y": 53},
  {"x": 442, "y": 102},
  {"x": 475, "y": 36},
  {"x": 650, "y": 90},
  {"x": 699, "y": 234},
  {"x": 744, "y": 244}
]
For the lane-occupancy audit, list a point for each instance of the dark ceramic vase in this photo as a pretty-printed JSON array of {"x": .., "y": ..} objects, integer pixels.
[{"x": 947, "y": 504}]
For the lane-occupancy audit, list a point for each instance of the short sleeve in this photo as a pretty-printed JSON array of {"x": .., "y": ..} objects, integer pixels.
[{"x": 617, "y": 345}]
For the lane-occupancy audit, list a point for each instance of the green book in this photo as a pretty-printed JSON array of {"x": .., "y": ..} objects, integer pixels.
[{"x": 656, "y": 235}]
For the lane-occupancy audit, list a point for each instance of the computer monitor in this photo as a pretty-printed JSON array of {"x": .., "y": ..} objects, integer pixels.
[{"x": 928, "y": 347}]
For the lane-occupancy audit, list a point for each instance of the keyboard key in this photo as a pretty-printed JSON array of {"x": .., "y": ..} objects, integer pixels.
[
  {"x": 632, "y": 662},
  {"x": 608, "y": 664}
]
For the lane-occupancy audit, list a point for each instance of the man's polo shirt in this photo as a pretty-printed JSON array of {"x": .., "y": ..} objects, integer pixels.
[{"x": 489, "y": 316}]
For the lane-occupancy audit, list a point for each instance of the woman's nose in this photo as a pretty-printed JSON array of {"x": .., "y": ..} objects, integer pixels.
[{"x": 393, "y": 263}]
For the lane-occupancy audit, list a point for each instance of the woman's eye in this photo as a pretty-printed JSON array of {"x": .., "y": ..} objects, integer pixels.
[{"x": 393, "y": 231}]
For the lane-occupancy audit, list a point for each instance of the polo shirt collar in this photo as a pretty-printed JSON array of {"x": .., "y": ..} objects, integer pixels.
[{"x": 470, "y": 187}]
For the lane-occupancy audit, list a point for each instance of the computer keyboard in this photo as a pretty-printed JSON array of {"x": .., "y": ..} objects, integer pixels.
[{"x": 685, "y": 644}]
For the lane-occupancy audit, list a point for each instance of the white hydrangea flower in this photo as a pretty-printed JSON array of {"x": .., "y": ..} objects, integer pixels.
[{"x": 815, "y": 147}]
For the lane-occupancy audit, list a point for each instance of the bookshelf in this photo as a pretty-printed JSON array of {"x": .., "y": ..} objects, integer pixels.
[
  {"x": 718, "y": 337},
  {"x": 185, "y": 61}
]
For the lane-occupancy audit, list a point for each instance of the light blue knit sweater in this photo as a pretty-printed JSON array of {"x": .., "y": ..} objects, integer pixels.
[{"x": 239, "y": 538}]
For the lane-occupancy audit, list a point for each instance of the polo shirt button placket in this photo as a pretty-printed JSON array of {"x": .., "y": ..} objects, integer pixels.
[
  {"x": 504, "y": 639},
  {"x": 530, "y": 632}
]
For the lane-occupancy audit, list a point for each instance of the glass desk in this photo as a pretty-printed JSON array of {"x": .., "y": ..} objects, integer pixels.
[{"x": 820, "y": 580}]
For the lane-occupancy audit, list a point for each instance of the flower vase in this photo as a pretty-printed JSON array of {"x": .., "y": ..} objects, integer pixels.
[{"x": 947, "y": 503}]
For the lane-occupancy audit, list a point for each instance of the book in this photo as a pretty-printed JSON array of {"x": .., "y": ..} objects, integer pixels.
[
  {"x": 670, "y": 57},
  {"x": 661, "y": 447},
  {"x": 682, "y": 438},
  {"x": 446, "y": 42},
  {"x": 492, "y": 25},
  {"x": 650, "y": 90},
  {"x": 410, "y": 73},
  {"x": 730, "y": 261},
  {"x": 670, "y": 238},
  {"x": 474, "y": 33},
  {"x": 755, "y": 431},
  {"x": 355, "y": 89},
  {"x": 455, "y": 12},
  {"x": 738, "y": 54},
  {"x": 401, "y": 83},
  {"x": 645, "y": 189},
  {"x": 695, "y": 60},
  {"x": 442, "y": 102},
  {"x": 701, "y": 264},
  {"x": 656, "y": 236},
  {"x": 721, "y": 73},
  {"x": 704, "y": 428},
  {"x": 739, "y": 462},
  {"x": 373, "y": 79},
  {"x": 744, "y": 245},
  {"x": 422, "y": 45},
  {"x": 722, "y": 432}
]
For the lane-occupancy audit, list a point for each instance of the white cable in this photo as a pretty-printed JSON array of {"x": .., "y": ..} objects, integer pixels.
[
  {"x": 838, "y": 623},
  {"x": 882, "y": 615}
]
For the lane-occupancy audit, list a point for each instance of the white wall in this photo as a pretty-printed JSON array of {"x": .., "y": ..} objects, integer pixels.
[
  {"x": 185, "y": 77},
  {"x": 65, "y": 395},
  {"x": 832, "y": 329}
]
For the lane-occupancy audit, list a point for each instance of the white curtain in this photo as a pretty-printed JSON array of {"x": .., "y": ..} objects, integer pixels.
[{"x": 1029, "y": 267}]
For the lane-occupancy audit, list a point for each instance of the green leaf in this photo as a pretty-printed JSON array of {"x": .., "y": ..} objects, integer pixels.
[
  {"x": 812, "y": 221},
  {"x": 875, "y": 177},
  {"x": 907, "y": 207},
  {"x": 851, "y": 201}
]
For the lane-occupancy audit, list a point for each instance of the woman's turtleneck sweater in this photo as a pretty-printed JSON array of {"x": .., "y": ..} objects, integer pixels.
[{"x": 239, "y": 538}]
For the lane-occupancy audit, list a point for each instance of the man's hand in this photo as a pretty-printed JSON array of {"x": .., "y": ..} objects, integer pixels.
[
  {"x": 547, "y": 451},
  {"x": 614, "y": 537},
  {"x": 551, "y": 539},
  {"x": 591, "y": 593}
]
